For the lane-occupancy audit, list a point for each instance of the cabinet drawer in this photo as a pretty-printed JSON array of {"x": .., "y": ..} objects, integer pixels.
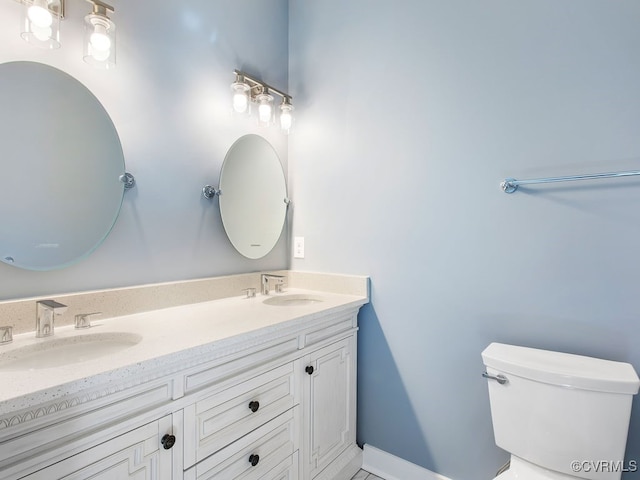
[
  {"x": 268, "y": 446},
  {"x": 242, "y": 362},
  {"x": 218, "y": 420},
  {"x": 338, "y": 326}
]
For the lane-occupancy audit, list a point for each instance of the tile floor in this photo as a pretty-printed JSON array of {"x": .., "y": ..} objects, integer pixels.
[{"x": 362, "y": 475}]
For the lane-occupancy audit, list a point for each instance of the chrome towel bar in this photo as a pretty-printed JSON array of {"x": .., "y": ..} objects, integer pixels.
[{"x": 510, "y": 185}]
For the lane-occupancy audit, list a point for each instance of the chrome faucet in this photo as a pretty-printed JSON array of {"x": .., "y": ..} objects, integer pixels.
[
  {"x": 45, "y": 312},
  {"x": 265, "y": 278}
]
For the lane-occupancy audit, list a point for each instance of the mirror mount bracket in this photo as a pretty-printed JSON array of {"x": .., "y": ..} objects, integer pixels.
[
  {"x": 128, "y": 180},
  {"x": 209, "y": 192}
]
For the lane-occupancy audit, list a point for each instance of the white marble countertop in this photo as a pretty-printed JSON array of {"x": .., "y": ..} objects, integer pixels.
[{"x": 169, "y": 335}]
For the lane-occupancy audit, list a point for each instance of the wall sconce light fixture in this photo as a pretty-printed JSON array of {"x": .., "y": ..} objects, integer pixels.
[
  {"x": 286, "y": 114},
  {"x": 41, "y": 27},
  {"x": 99, "y": 36},
  {"x": 246, "y": 90},
  {"x": 41, "y": 22}
]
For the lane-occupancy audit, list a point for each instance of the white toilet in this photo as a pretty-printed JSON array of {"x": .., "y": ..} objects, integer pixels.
[{"x": 560, "y": 416}]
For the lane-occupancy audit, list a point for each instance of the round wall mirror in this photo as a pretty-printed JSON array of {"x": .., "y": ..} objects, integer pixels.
[
  {"x": 253, "y": 199},
  {"x": 61, "y": 157}
]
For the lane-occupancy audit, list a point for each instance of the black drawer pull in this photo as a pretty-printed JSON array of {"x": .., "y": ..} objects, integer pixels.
[
  {"x": 168, "y": 441},
  {"x": 254, "y": 406},
  {"x": 254, "y": 459},
  {"x": 309, "y": 369}
]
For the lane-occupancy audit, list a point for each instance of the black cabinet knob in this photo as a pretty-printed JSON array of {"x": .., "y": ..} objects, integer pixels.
[
  {"x": 309, "y": 369},
  {"x": 254, "y": 459},
  {"x": 168, "y": 441},
  {"x": 254, "y": 406}
]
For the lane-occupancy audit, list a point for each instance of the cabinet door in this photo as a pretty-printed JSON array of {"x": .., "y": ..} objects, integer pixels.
[
  {"x": 137, "y": 454},
  {"x": 329, "y": 406}
]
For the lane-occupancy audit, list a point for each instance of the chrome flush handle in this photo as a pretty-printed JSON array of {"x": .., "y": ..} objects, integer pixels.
[{"x": 501, "y": 379}]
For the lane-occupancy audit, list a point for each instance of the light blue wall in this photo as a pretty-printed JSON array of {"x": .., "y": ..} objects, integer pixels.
[
  {"x": 169, "y": 99},
  {"x": 409, "y": 114}
]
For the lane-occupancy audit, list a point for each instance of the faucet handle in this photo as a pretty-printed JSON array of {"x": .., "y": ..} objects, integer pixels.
[
  {"x": 251, "y": 292},
  {"x": 83, "y": 320},
  {"x": 279, "y": 286},
  {"x": 6, "y": 335}
]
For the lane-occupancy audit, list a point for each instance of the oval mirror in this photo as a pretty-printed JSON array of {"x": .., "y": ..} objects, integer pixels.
[
  {"x": 60, "y": 188},
  {"x": 253, "y": 199}
]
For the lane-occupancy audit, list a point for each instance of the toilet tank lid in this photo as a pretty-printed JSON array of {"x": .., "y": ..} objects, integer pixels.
[{"x": 563, "y": 369}]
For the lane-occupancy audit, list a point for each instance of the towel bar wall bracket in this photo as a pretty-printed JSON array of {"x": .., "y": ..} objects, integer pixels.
[{"x": 508, "y": 186}]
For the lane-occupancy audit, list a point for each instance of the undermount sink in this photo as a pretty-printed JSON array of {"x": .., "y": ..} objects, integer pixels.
[
  {"x": 56, "y": 352},
  {"x": 292, "y": 300}
]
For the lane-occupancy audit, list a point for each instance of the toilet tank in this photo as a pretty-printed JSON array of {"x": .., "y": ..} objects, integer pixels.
[{"x": 557, "y": 408}]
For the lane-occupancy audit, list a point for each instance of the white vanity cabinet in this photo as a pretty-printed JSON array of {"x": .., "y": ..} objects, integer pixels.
[
  {"x": 279, "y": 404},
  {"x": 296, "y": 420}
]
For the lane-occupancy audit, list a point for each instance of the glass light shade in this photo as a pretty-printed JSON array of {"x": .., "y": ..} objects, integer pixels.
[
  {"x": 286, "y": 117},
  {"x": 41, "y": 23},
  {"x": 240, "y": 92},
  {"x": 99, "y": 41},
  {"x": 265, "y": 109}
]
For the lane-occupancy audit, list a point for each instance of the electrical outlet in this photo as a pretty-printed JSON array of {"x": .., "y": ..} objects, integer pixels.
[{"x": 298, "y": 247}]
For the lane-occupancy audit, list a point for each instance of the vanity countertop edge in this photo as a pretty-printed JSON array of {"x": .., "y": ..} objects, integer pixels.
[{"x": 172, "y": 337}]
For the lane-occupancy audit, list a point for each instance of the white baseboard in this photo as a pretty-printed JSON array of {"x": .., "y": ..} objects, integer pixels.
[{"x": 390, "y": 467}]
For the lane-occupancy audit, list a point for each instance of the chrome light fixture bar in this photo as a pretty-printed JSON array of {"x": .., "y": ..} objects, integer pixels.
[{"x": 246, "y": 90}]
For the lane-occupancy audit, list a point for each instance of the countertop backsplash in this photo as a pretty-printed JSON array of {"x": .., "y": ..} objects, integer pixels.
[{"x": 21, "y": 314}]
